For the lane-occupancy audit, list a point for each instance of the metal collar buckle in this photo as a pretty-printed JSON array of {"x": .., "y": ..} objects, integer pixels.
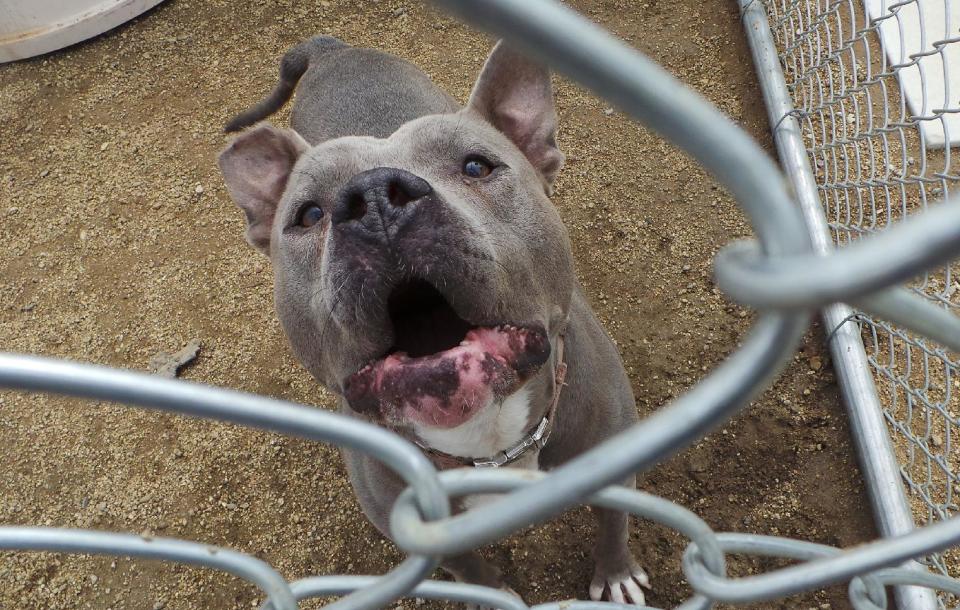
[{"x": 537, "y": 438}]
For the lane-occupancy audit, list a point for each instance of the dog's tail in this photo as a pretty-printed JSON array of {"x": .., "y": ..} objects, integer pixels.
[{"x": 294, "y": 63}]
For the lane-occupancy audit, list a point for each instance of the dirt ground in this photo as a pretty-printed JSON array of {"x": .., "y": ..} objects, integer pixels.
[{"x": 118, "y": 241}]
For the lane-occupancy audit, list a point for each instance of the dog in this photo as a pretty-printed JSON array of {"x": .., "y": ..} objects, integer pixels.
[{"x": 424, "y": 276}]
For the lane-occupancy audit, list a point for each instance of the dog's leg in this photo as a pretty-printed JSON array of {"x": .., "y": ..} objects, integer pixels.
[
  {"x": 617, "y": 576},
  {"x": 472, "y": 568},
  {"x": 377, "y": 489}
]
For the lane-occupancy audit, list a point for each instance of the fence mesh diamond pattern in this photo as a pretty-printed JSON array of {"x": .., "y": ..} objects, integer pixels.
[{"x": 871, "y": 85}]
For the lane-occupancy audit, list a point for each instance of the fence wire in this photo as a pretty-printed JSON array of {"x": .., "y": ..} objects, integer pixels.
[
  {"x": 421, "y": 522},
  {"x": 870, "y": 84}
]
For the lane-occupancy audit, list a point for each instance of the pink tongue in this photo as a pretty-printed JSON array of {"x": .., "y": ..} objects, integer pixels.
[{"x": 448, "y": 388}]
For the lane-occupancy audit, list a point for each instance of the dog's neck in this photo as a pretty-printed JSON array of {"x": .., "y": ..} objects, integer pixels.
[{"x": 499, "y": 434}]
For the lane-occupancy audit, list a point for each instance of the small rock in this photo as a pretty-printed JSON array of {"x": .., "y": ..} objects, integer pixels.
[
  {"x": 816, "y": 363},
  {"x": 104, "y": 146},
  {"x": 94, "y": 578},
  {"x": 159, "y": 605},
  {"x": 697, "y": 464},
  {"x": 45, "y": 173},
  {"x": 198, "y": 190},
  {"x": 168, "y": 365},
  {"x": 608, "y": 112},
  {"x": 28, "y": 307},
  {"x": 936, "y": 440},
  {"x": 399, "y": 12}
]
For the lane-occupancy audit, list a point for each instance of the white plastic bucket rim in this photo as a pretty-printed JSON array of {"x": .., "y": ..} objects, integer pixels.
[{"x": 33, "y": 27}]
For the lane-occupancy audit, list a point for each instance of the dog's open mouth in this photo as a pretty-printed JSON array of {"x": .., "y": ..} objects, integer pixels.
[{"x": 441, "y": 369}]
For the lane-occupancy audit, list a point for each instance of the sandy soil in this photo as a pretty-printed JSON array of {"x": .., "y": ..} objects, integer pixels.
[{"x": 118, "y": 241}]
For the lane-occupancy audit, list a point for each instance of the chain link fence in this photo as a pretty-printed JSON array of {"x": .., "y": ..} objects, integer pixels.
[
  {"x": 875, "y": 88},
  {"x": 785, "y": 275}
]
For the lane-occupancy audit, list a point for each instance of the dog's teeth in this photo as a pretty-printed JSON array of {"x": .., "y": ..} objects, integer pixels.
[{"x": 464, "y": 343}]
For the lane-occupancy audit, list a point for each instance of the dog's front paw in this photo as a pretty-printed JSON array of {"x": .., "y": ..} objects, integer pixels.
[{"x": 622, "y": 587}]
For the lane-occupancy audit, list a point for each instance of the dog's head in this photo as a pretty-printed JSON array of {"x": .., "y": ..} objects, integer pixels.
[{"x": 424, "y": 275}]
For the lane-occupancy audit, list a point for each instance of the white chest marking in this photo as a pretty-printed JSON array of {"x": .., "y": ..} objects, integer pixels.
[{"x": 494, "y": 428}]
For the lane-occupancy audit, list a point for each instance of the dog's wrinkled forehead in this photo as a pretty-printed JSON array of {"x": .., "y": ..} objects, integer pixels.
[
  {"x": 327, "y": 166},
  {"x": 449, "y": 136},
  {"x": 432, "y": 147}
]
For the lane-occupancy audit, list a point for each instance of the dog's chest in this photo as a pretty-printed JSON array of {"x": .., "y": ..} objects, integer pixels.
[
  {"x": 495, "y": 428},
  {"x": 528, "y": 461}
]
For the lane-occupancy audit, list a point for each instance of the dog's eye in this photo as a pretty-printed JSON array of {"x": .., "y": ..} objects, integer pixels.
[
  {"x": 309, "y": 215},
  {"x": 477, "y": 167}
]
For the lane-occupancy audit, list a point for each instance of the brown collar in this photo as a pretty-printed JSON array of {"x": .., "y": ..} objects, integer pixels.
[{"x": 536, "y": 437}]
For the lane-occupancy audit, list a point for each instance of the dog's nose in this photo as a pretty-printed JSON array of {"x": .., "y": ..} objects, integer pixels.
[{"x": 379, "y": 197}]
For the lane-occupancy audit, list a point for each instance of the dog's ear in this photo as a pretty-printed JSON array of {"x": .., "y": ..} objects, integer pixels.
[
  {"x": 514, "y": 94},
  {"x": 255, "y": 167}
]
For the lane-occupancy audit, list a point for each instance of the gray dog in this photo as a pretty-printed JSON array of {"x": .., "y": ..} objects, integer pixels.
[{"x": 422, "y": 273}]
